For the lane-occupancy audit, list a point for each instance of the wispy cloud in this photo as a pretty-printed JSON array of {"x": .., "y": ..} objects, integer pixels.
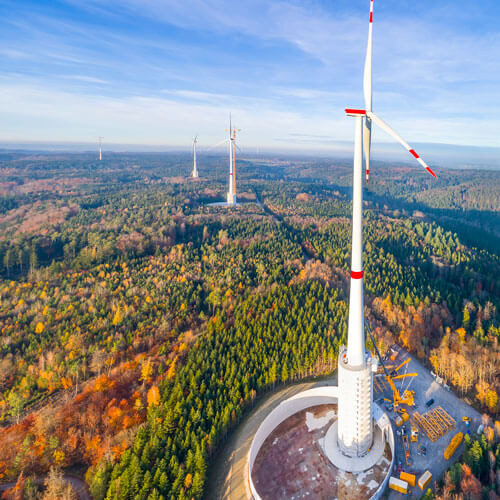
[
  {"x": 14, "y": 53},
  {"x": 87, "y": 79},
  {"x": 160, "y": 69}
]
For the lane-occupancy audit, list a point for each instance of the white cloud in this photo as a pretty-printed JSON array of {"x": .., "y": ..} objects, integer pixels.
[
  {"x": 35, "y": 113},
  {"x": 429, "y": 79},
  {"x": 58, "y": 115},
  {"x": 87, "y": 79},
  {"x": 14, "y": 53}
]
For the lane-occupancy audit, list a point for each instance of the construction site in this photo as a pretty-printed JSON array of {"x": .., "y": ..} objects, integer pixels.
[{"x": 429, "y": 421}]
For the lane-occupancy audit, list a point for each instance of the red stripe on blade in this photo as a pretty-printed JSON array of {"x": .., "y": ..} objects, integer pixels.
[
  {"x": 412, "y": 151},
  {"x": 357, "y": 275},
  {"x": 371, "y": 17},
  {"x": 431, "y": 172},
  {"x": 350, "y": 111}
]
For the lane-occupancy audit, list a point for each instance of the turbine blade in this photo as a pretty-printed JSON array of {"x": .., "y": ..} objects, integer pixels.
[
  {"x": 367, "y": 76},
  {"x": 367, "y": 140},
  {"x": 396, "y": 136},
  {"x": 218, "y": 144},
  {"x": 367, "y": 90}
]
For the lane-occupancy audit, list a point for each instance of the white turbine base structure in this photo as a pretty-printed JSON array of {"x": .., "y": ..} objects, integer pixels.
[{"x": 355, "y": 423}]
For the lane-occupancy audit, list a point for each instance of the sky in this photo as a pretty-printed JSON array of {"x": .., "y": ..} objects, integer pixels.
[{"x": 157, "y": 72}]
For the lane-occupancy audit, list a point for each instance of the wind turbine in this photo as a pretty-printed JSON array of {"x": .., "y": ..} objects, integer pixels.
[
  {"x": 355, "y": 414},
  {"x": 100, "y": 147},
  {"x": 194, "y": 175},
  {"x": 231, "y": 194}
]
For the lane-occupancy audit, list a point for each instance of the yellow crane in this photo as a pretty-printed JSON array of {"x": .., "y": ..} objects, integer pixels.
[{"x": 407, "y": 397}]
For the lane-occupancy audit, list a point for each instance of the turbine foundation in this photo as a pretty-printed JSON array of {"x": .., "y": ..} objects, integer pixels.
[{"x": 355, "y": 429}]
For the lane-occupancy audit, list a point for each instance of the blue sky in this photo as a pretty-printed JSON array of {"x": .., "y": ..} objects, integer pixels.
[{"x": 159, "y": 71}]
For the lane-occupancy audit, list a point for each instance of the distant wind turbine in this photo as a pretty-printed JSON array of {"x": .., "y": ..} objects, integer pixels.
[
  {"x": 194, "y": 174},
  {"x": 231, "y": 194},
  {"x": 100, "y": 147}
]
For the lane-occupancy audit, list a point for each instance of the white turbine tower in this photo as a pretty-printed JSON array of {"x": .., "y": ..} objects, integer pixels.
[
  {"x": 355, "y": 416},
  {"x": 231, "y": 194},
  {"x": 194, "y": 174},
  {"x": 100, "y": 147}
]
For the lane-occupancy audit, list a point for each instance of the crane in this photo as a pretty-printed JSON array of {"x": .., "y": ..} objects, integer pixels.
[{"x": 407, "y": 397}]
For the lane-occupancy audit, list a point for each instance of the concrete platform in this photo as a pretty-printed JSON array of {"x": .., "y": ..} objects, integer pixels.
[
  {"x": 287, "y": 459},
  {"x": 292, "y": 465},
  {"x": 359, "y": 464}
]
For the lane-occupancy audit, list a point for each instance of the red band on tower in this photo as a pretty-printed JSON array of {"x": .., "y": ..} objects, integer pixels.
[{"x": 357, "y": 275}]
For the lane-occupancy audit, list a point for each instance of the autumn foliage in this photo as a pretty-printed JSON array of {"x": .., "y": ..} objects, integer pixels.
[{"x": 99, "y": 422}]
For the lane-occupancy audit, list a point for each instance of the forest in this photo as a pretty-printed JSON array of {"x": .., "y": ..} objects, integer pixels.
[{"x": 139, "y": 323}]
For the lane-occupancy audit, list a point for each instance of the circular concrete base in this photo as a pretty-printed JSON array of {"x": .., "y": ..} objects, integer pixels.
[
  {"x": 356, "y": 464},
  {"x": 295, "y": 440}
]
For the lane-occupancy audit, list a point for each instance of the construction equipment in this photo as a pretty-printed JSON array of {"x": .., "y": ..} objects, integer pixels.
[
  {"x": 424, "y": 480},
  {"x": 395, "y": 371},
  {"x": 404, "y": 414},
  {"x": 434, "y": 423},
  {"x": 388, "y": 404},
  {"x": 406, "y": 446},
  {"x": 414, "y": 434},
  {"x": 454, "y": 444},
  {"x": 409, "y": 478},
  {"x": 380, "y": 370},
  {"x": 402, "y": 417},
  {"x": 398, "y": 485},
  {"x": 406, "y": 397},
  {"x": 421, "y": 450}
]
